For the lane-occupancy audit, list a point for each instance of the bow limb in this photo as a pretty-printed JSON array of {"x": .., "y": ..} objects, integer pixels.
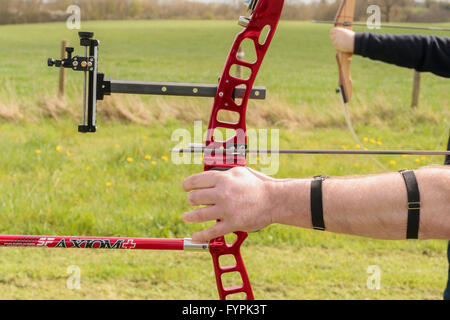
[
  {"x": 265, "y": 15},
  {"x": 345, "y": 78},
  {"x": 344, "y": 19}
]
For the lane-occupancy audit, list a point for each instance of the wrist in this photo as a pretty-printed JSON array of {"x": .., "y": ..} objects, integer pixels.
[{"x": 288, "y": 202}]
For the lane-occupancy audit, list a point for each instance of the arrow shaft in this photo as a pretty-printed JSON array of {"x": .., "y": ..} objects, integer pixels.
[
  {"x": 389, "y": 26},
  {"x": 330, "y": 152},
  {"x": 118, "y": 243}
]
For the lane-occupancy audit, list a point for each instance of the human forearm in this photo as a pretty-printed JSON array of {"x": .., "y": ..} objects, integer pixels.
[{"x": 373, "y": 206}]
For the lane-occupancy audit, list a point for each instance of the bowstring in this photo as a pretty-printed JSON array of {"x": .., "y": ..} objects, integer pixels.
[
  {"x": 348, "y": 12},
  {"x": 350, "y": 127},
  {"x": 441, "y": 139}
]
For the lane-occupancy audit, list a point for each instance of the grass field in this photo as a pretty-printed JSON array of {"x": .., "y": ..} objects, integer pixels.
[{"x": 121, "y": 182}]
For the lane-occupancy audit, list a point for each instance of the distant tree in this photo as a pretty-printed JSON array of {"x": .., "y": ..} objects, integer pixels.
[
  {"x": 5, "y": 12},
  {"x": 28, "y": 11},
  {"x": 388, "y": 7}
]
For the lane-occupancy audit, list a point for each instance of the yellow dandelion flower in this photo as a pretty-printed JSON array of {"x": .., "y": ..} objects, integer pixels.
[
  {"x": 58, "y": 148},
  {"x": 148, "y": 157},
  {"x": 38, "y": 151},
  {"x": 372, "y": 141},
  {"x": 88, "y": 169},
  {"x": 423, "y": 158},
  {"x": 358, "y": 146},
  {"x": 366, "y": 149},
  {"x": 379, "y": 143},
  {"x": 109, "y": 184},
  {"x": 405, "y": 156},
  {"x": 417, "y": 160},
  {"x": 393, "y": 162},
  {"x": 366, "y": 139},
  {"x": 164, "y": 158},
  {"x": 145, "y": 137},
  {"x": 68, "y": 153},
  {"x": 154, "y": 163},
  {"x": 129, "y": 159}
]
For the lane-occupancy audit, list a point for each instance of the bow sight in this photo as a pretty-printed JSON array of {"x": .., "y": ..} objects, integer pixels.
[
  {"x": 88, "y": 64},
  {"x": 97, "y": 86}
]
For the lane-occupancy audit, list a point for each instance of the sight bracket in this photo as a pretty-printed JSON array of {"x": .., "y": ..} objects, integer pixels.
[{"x": 96, "y": 85}]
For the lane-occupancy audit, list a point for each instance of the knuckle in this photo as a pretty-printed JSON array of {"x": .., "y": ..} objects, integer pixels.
[
  {"x": 201, "y": 214},
  {"x": 220, "y": 176},
  {"x": 205, "y": 235},
  {"x": 194, "y": 180},
  {"x": 225, "y": 196},
  {"x": 237, "y": 170},
  {"x": 197, "y": 216},
  {"x": 192, "y": 198}
]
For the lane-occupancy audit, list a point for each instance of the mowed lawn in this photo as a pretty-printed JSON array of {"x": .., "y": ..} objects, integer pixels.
[{"x": 122, "y": 182}]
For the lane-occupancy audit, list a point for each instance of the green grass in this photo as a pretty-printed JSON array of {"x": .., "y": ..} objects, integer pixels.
[{"x": 54, "y": 181}]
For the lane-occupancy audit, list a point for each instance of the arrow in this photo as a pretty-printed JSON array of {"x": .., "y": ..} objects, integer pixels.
[
  {"x": 330, "y": 152},
  {"x": 389, "y": 26}
]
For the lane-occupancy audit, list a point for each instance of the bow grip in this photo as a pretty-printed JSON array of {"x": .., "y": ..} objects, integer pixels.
[{"x": 219, "y": 248}]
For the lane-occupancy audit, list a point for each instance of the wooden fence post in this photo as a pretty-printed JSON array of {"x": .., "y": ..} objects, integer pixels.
[
  {"x": 416, "y": 90},
  {"x": 62, "y": 72}
]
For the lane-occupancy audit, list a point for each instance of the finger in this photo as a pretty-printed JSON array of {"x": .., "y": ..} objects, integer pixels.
[
  {"x": 218, "y": 230},
  {"x": 334, "y": 32},
  {"x": 338, "y": 29},
  {"x": 202, "y": 180},
  {"x": 203, "y": 197},
  {"x": 202, "y": 215}
]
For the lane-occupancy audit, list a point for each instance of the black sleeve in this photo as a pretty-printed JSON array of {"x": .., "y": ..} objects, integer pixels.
[{"x": 420, "y": 52}]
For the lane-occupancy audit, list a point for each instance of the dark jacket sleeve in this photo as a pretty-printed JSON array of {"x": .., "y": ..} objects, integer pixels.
[{"x": 419, "y": 52}]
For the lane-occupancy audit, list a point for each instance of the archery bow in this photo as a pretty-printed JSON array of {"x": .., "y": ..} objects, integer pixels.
[
  {"x": 265, "y": 13},
  {"x": 344, "y": 19},
  {"x": 345, "y": 15}
]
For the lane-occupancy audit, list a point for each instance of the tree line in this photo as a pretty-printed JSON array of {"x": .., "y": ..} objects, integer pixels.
[{"x": 33, "y": 11}]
